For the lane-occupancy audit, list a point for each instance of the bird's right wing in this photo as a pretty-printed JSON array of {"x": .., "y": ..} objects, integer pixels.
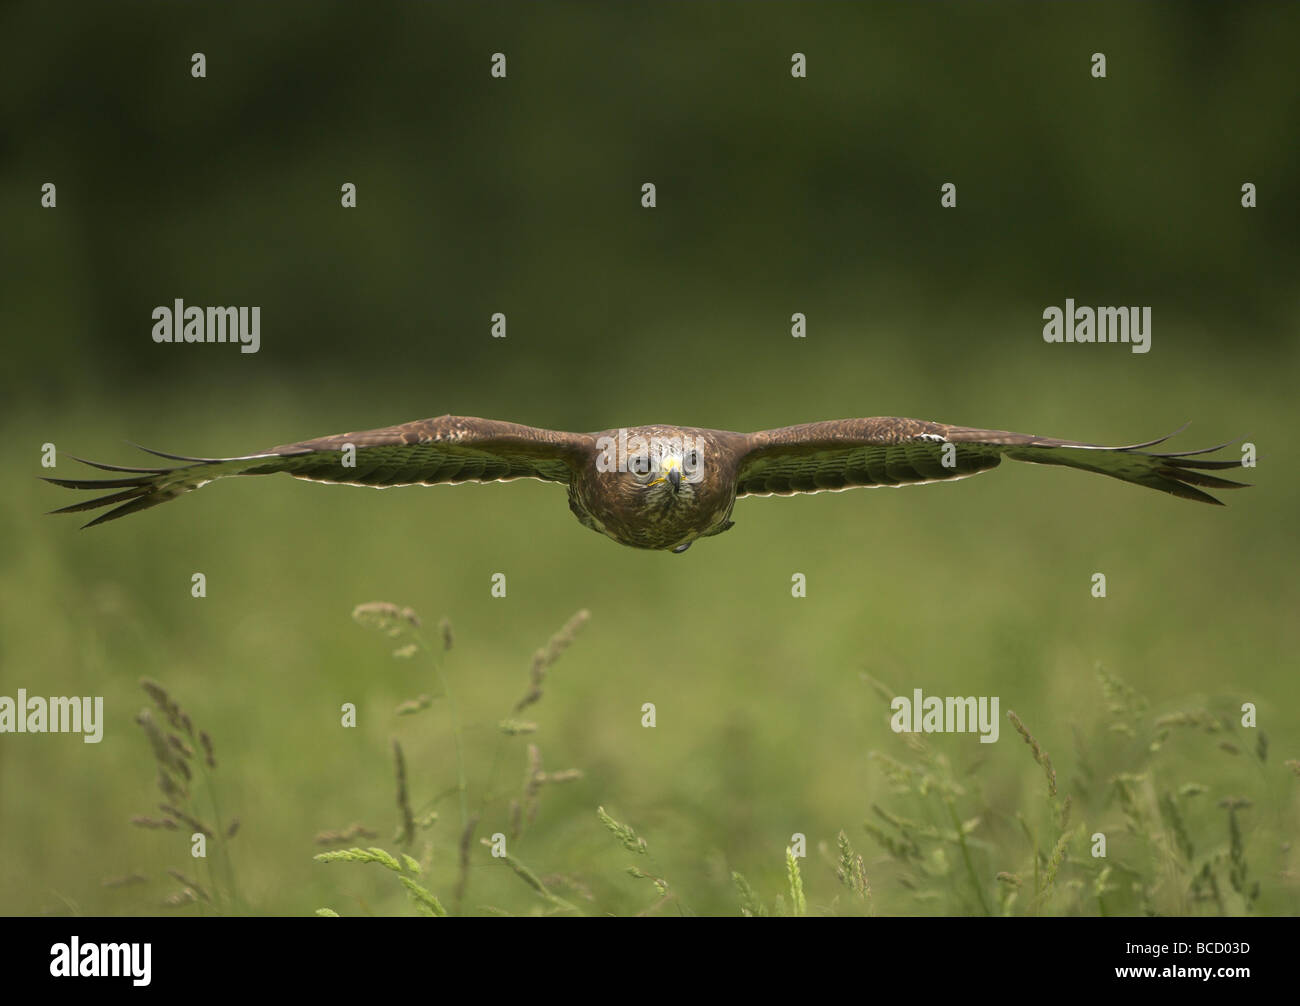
[{"x": 448, "y": 449}]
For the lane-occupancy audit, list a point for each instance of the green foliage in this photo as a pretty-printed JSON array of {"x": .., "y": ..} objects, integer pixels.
[
  {"x": 1150, "y": 846},
  {"x": 798, "y": 904},
  {"x": 185, "y": 759},
  {"x": 372, "y": 855},
  {"x": 424, "y": 900},
  {"x": 750, "y": 905},
  {"x": 625, "y": 834},
  {"x": 851, "y": 869}
]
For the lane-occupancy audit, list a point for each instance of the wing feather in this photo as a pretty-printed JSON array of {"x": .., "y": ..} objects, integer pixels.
[
  {"x": 426, "y": 452},
  {"x": 894, "y": 451}
]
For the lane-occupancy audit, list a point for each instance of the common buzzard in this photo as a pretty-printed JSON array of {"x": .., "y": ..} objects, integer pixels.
[{"x": 658, "y": 487}]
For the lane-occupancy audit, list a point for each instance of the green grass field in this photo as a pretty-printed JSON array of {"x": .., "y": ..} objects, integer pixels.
[{"x": 769, "y": 715}]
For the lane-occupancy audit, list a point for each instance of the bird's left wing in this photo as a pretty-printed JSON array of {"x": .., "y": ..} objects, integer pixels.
[
  {"x": 448, "y": 449},
  {"x": 892, "y": 451}
]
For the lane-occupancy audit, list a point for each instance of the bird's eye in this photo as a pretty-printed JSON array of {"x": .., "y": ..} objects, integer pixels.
[{"x": 638, "y": 467}]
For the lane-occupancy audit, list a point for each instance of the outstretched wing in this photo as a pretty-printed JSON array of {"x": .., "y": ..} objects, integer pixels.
[
  {"x": 889, "y": 451},
  {"x": 448, "y": 449}
]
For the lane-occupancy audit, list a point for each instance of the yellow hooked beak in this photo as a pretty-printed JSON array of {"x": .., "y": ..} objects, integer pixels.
[{"x": 671, "y": 470}]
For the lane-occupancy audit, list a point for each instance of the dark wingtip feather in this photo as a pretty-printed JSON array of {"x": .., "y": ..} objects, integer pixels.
[
  {"x": 1186, "y": 470},
  {"x": 134, "y": 506},
  {"x": 1188, "y": 454},
  {"x": 146, "y": 487},
  {"x": 174, "y": 457},
  {"x": 1158, "y": 440},
  {"x": 100, "y": 501},
  {"x": 1165, "y": 483},
  {"x": 215, "y": 461},
  {"x": 119, "y": 468},
  {"x": 138, "y": 491},
  {"x": 1201, "y": 479},
  {"x": 1180, "y": 461},
  {"x": 1176, "y": 473},
  {"x": 95, "y": 483}
]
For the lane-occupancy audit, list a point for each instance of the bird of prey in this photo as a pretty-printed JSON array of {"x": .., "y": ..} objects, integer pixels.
[{"x": 658, "y": 487}]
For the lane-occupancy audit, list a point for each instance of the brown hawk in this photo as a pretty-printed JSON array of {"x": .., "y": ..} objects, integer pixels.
[{"x": 658, "y": 487}]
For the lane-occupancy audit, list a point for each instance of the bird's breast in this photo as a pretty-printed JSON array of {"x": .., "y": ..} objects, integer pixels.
[{"x": 642, "y": 516}]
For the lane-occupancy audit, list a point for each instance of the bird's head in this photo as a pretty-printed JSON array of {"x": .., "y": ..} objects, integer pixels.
[{"x": 654, "y": 487}]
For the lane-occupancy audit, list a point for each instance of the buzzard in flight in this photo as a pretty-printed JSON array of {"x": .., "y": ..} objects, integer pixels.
[{"x": 658, "y": 487}]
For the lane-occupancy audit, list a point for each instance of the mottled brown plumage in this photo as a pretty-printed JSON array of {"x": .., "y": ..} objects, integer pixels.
[{"x": 658, "y": 487}]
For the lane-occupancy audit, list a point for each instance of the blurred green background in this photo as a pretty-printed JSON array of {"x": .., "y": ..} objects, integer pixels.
[{"x": 775, "y": 195}]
